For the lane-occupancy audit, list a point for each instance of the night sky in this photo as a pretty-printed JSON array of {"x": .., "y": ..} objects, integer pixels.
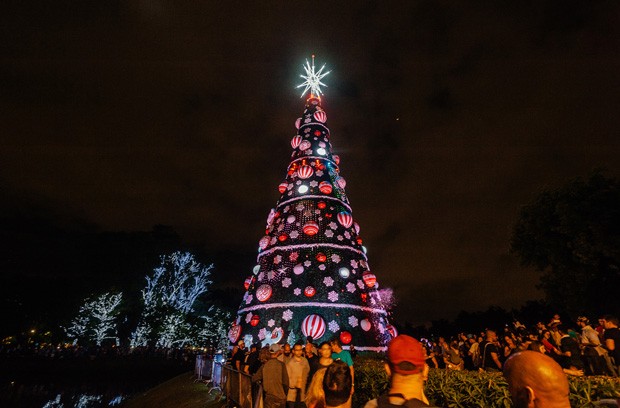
[{"x": 448, "y": 117}]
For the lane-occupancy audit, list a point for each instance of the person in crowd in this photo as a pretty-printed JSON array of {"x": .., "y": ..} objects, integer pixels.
[
  {"x": 315, "y": 396},
  {"x": 593, "y": 352},
  {"x": 285, "y": 354},
  {"x": 510, "y": 346},
  {"x": 474, "y": 354},
  {"x": 298, "y": 369},
  {"x": 252, "y": 361},
  {"x": 452, "y": 357},
  {"x": 490, "y": 353},
  {"x": 310, "y": 350},
  {"x": 407, "y": 369},
  {"x": 352, "y": 351},
  {"x": 338, "y": 385},
  {"x": 536, "y": 381},
  {"x": 229, "y": 360},
  {"x": 569, "y": 352},
  {"x": 551, "y": 348},
  {"x": 238, "y": 360},
  {"x": 612, "y": 341},
  {"x": 339, "y": 354},
  {"x": 274, "y": 377},
  {"x": 323, "y": 361}
]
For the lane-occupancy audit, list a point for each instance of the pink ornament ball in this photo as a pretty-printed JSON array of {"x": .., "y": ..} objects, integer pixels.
[
  {"x": 264, "y": 242},
  {"x": 298, "y": 123},
  {"x": 263, "y": 293},
  {"x": 342, "y": 183},
  {"x": 320, "y": 116},
  {"x": 304, "y": 172},
  {"x": 365, "y": 324},
  {"x": 313, "y": 325},
  {"x": 336, "y": 159},
  {"x": 234, "y": 333},
  {"x": 296, "y": 141},
  {"x": 345, "y": 219},
  {"x": 305, "y": 145}
]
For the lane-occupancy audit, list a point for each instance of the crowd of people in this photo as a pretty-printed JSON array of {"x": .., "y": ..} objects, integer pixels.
[
  {"x": 535, "y": 362},
  {"x": 580, "y": 349}
]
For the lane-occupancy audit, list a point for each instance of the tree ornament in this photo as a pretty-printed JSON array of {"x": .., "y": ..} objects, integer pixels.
[
  {"x": 364, "y": 297},
  {"x": 317, "y": 133},
  {"x": 305, "y": 145},
  {"x": 256, "y": 269},
  {"x": 282, "y": 187},
  {"x": 313, "y": 326},
  {"x": 254, "y": 320},
  {"x": 359, "y": 241},
  {"x": 336, "y": 159},
  {"x": 311, "y": 228},
  {"x": 321, "y": 257},
  {"x": 248, "y": 282},
  {"x": 264, "y": 242},
  {"x": 320, "y": 116},
  {"x": 365, "y": 324},
  {"x": 321, "y": 205},
  {"x": 282, "y": 237},
  {"x": 234, "y": 333},
  {"x": 309, "y": 291},
  {"x": 263, "y": 293},
  {"x": 296, "y": 141},
  {"x": 325, "y": 187},
  {"x": 345, "y": 337},
  {"x": 345, "y": 219},
  {"x": 356, "y": 228},
  {"x": 290, "y": 219},
  {"x": 342, "y": 183},
  {"x": 298, "y": 123},
  {"x": 369, "y": 279},
  {"x": 298, "y": 269},
  {"x": 344, "y": 273},
  {"x": 305, "y": 172},
  {"x": 312, "y": 81},
  {"x": 392, "y": 330}
]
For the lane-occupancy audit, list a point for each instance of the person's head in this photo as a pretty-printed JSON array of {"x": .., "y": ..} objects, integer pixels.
[
  {"x": 337, "y": 384},
  {"x": 491, "y": 335},
  {"x": 315, "y": 396},
  {"x": 509, "y": 341},
  {"x": 241, "y": 344},
  {"x": 406, "y": 356},
  {"x": 610, "y": 322},
  {"x": 263, "y": 354},
  {"x": 298, "y": 350},
  {"x": 309, "y": 347},
  {"x": 254, "y": 348},
  {"x": 582, "y": 321},
  {"x": 536, "y": 346},
  {"x": 336, "y": 344},
  {"x": 325, "y": 350},
  {"x": 287, "y": 349},
  {"x": 535, "y": 381},
  {"x": 274, "y": 350}
]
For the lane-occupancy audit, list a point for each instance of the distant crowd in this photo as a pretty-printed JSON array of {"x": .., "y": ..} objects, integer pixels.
[{"x": 535, "y": 362}]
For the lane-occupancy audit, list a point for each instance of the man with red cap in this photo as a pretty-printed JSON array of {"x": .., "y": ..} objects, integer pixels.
[{"x": 407, "y": 370}]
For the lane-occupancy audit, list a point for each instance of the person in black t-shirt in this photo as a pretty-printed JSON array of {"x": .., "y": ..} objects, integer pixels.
[{"x": 490, "y": 352}]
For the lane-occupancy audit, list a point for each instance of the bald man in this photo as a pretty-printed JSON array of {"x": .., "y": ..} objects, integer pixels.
[{"x": 536, "y": 381}]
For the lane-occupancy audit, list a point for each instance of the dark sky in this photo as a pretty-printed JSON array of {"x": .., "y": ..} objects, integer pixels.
[{"x": 448, "y": 117}]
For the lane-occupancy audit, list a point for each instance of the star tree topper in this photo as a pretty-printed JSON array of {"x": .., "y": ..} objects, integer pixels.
[{"x": 313, "y": 79}]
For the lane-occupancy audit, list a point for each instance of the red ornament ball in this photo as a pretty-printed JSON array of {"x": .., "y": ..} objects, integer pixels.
[
  {"x": 369, "y": 279},
  {"x": 321, "y": 257},
  {"x": 321, "y": 205},
  {"x": 325, "y": 187},
  {"x": 296, "y": 141},
  {"x": 254, "y": 320},
  {"x": 345, "y": 337},
  {"x": 282, "y": 237},
  {"x": 304, "y": 172},
  {"x": 309, "y": 291},
  {"x": 311, "y": 228},
  {"x": 264, "y": 292},
  {"x": 282, "y": 187}
]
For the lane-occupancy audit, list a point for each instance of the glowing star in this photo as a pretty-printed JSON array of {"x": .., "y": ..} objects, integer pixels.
[
  {"x": 312, "y": 78},
  {"x": 287, "y": 315}
]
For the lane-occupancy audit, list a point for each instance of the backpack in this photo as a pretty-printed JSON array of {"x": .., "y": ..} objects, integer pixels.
[{"x": 384, "y": 402}]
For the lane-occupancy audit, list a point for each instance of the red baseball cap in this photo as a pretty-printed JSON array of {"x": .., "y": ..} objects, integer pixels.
[{"x": 405, "y": 348}]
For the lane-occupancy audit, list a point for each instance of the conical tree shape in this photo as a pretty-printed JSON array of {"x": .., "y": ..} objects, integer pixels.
[{"x": 312, "y": 276}]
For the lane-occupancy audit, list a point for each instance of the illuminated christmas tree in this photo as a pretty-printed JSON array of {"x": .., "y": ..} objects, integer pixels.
[{"x": 312, "y": 276}]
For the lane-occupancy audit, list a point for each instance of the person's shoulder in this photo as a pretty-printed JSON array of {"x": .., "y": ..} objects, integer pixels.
[{"x": 372, "y": 404}]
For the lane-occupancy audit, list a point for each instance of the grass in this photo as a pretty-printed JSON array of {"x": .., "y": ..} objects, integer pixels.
[{"x": 179, "y": 392}]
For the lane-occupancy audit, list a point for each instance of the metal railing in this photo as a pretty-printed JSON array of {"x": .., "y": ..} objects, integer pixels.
[{"x": 237, "y": 387}]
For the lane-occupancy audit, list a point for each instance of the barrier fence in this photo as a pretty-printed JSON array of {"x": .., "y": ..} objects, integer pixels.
[{"x": 235, "y": 385}]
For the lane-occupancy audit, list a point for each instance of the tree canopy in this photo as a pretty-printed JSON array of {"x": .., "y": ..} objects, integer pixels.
[{"x": 572, "y": 235}]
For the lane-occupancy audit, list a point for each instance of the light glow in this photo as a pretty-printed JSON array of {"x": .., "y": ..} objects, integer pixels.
[
  {"x": 303, "y": 189},
  {"x": 312, "y": 79}
]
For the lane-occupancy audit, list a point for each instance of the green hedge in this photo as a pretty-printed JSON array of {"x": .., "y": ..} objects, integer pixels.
[{"x": 447, "y": 388}]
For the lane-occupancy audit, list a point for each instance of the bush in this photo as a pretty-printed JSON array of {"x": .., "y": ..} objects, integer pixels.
[{"x": 447, "y": 388}]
